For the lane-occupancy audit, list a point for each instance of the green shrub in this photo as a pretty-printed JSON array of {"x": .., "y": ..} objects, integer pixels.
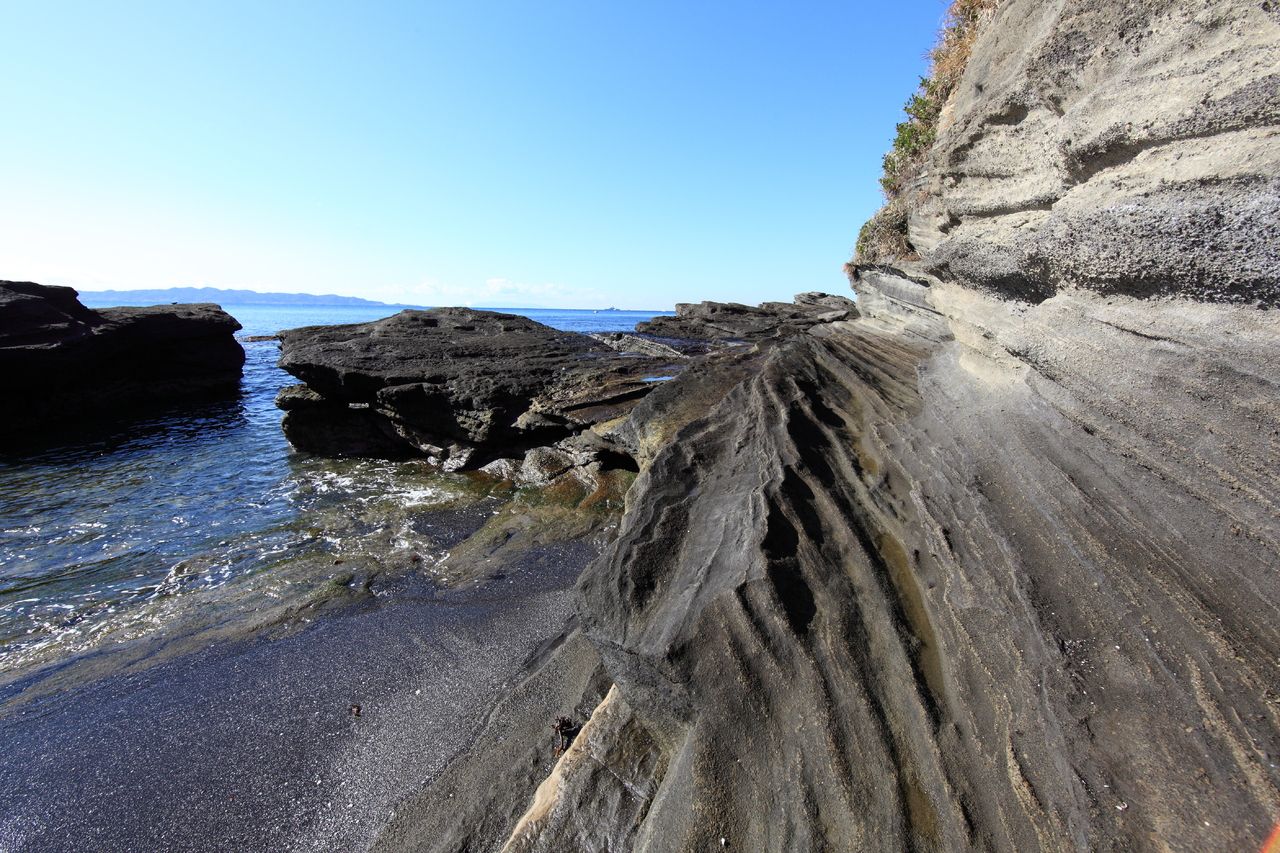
[{"x": 887, "y": 230}]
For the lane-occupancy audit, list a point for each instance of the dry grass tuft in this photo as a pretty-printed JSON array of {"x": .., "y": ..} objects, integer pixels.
[
  {"x": 951, "y": 54},
  {"x": 886, "y": 234},
  {"x": 947, "y": 62}
]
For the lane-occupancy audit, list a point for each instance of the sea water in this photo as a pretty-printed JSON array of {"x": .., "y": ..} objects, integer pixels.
[{"x": 106, "y": 537}]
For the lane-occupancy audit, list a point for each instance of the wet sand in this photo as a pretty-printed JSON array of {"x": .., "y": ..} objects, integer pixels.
[{"x": 250, "y": 744}]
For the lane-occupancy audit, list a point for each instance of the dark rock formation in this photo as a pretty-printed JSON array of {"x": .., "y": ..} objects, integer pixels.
[
  {"x": 462, "y": 387},
  {"x": 65, "y": 365},
  {"x": 729, "y": 321},
  {"x": 479, "y": 389},
  {"x": 991, "y": 565}
]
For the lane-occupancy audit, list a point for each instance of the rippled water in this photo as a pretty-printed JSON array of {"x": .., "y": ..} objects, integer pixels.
[{"x": 114, "y": 537}]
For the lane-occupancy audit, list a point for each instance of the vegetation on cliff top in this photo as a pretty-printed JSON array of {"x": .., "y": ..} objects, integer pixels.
[{"x": 884, "y": 236}]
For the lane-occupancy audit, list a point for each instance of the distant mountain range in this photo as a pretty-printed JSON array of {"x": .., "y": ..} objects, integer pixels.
[{"x": 223, "y": 296}]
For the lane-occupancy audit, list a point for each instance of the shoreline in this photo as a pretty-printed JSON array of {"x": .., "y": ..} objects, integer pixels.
[{"x": 271, "y": 716}]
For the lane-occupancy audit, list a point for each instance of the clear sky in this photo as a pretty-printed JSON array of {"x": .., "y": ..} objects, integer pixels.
[{"x": 566, "y": 154}]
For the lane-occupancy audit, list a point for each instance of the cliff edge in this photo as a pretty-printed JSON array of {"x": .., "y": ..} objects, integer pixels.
[{"x": 1122, "y": 148}]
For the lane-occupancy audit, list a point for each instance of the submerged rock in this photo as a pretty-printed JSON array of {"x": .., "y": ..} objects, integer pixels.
[{"x": 64, "y": 365}]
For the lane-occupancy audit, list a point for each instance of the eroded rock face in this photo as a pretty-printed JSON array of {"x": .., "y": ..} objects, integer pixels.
[
  {"x": 479, "y": 389},
  {"x": 461, "y": 386},
  {"x": 1129, "y": 148},
  {"x": 901, "y": 571},
  {"x": 893, "y": 584},
  {"x": 65, "y": 365},
  {"x": 992, "y": 564}
]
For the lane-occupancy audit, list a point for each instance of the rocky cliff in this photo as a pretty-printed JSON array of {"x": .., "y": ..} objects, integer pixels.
[
  {"x": 1122, "y": 148},
  {"x": 993, "y": 565},
  {"x": 64, "y": 365}
]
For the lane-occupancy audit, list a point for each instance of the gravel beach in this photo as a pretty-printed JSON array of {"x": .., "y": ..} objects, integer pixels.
[{"x": 253, "y": 744}]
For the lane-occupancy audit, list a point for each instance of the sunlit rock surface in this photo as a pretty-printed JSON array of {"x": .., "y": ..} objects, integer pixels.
[
  {"x": 1127, "y": 148},
  {"x": 714, "y": 321},
  {"x": 459, "y": 386}
]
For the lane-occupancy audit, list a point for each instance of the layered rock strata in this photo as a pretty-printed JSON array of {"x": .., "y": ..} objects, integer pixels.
[
  {"x": 479, "y": 389},
  {"x": 730, "y": 321},
  {"x": 1123, "y": 148},
  {"x": 991, "y": 565},
  {"x": 64, "y": 365},
  {"x": 984, "y": 591},
  {"x": 461, "y": 387},
  {"x": 966, "y": 587}
]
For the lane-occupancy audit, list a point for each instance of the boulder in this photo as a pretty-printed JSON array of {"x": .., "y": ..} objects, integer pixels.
[
  {"x": 65, "y": 365},
  {"x": 731, "y": 321}
]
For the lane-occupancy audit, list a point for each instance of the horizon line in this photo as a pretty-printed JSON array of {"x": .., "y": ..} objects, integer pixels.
[{"x": 360, "y": 299}]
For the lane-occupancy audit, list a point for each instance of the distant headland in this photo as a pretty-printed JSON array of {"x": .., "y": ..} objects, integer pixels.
[{"x": 227, "y": 297}]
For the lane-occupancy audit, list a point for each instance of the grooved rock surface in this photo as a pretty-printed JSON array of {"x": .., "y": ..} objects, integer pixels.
[
  {"x": 65, "y": 365},
  {"x": 994, "y": 562},
  {"x": 961, "y": 574},
  {"x": 1120, "y": 147},
  {"x": 985, "y": 591}
]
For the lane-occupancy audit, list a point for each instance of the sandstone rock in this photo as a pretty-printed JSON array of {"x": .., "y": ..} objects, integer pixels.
[
  {"x": 502, "y": 469},
  {"x": 827, "y": 301},
  {"x": 634, "y": 343},
  {"x": 951, "y": 563},
  {"x": 992, "y": 564},
  {"x": 541, "y": 465},
  {"x": 1126, "y": 148},
  {"x": 66, "y": 365},
  {"x": 334, "y": 428}
]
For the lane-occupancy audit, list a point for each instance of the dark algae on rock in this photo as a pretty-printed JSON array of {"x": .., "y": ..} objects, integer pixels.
[{"x": 989, "y": 562}]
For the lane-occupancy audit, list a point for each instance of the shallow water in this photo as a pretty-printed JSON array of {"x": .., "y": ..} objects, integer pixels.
[{"x": 108, "y": 538}]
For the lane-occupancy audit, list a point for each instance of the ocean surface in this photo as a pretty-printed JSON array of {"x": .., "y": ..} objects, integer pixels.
[{"x": 112, "y": 538}]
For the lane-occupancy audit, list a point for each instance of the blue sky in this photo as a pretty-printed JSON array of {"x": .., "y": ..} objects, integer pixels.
[{"x": 568, "y": 154}]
